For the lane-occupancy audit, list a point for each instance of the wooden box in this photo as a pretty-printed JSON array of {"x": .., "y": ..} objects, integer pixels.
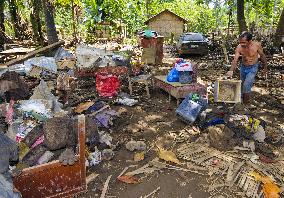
[
  {"x": 227, "y": 91},
  {"x": 54, "y": 179},
  {"x": 149, "y": 55}
]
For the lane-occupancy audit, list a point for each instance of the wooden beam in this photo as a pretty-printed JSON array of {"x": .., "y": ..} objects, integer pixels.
[{"x": 33, "y": 53}]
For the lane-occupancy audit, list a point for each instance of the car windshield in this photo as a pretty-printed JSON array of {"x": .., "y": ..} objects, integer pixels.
[{"x": 192, "y": 37}]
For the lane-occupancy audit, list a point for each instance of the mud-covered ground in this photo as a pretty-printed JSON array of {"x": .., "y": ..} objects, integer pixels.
[{"x": 153, "y": 120}]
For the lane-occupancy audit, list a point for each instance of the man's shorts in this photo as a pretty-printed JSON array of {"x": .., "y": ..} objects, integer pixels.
[{"x": 248, "y": 74}]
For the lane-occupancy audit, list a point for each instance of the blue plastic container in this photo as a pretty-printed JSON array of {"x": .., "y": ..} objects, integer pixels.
[{"x": 189, "y": 110}]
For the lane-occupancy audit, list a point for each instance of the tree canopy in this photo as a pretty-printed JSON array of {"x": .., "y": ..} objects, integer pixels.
[{"x": 84, "y": 17}]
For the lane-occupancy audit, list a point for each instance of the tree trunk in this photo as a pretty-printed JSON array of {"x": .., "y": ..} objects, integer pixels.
[
  {"x": 229, "y": 22},
  {"x": 241, "y": 16},
  {"x": 73, "y": 21},
  {"x": 280, "y": 30},
  {"x": 36, "y": 23},
  {"x": 15, "y": 18},
  {"x": 2, "y": 27},
  {"x": 49, "y": 22}
]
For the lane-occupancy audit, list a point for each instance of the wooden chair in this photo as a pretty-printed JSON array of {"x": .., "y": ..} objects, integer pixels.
[{"x": 144, "y": 79}]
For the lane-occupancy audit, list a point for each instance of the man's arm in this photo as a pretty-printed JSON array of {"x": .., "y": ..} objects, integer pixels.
[
  {"x": 234, "y": 63},
  {"x": 262, "y": 57},
  {"x": 236, "y": 58}
]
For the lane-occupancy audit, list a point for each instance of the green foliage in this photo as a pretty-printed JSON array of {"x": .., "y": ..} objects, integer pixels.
[
  {"x": 202, "y": 15},
  {"x": 63, "y": 20}
]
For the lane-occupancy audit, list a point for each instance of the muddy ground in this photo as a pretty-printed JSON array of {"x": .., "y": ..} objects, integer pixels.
[{"x": 152, "y": 120}]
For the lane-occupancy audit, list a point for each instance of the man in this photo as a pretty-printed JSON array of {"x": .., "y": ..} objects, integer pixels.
[{"x": 250, "y": 51}]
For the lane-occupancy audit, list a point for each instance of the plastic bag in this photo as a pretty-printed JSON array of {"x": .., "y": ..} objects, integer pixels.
[
  {"x": 36, "y": 109},
  {"x": 43, "y": 62},
  {"x": 173, "y": 75},
  {"x": 185, "y": 77},
  {"x": 107, "y": 85},
  {"x": 89, "y": 57},
  {"x": 62, "y": 54},
  {"x": 149, "y": 34},
  {"x": 184, "y": 66}
]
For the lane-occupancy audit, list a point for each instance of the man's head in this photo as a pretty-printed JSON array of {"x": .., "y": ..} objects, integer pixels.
[{"x": 245, "y": 39}]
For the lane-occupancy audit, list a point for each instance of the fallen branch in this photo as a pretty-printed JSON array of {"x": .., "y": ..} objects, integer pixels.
[
  {"x": 152, "y": 193},
  {"x": 91, "y": 178},
  {"x": 105, "y": 187},
  {"x": 125, "y": 169},
  {"x": 33, "y": 53}
]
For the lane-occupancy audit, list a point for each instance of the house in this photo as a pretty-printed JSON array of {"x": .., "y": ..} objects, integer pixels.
[{"x": 167, "y": 23}]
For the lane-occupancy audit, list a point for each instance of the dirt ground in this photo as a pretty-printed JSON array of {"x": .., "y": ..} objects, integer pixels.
[{"x": 152, "y": 120}]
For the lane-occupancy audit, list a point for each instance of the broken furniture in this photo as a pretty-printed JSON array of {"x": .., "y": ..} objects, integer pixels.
[
  {"x": 15, "y": 52},
  {"x": 228, "y": 91},
  {"x": 53, "y": 179},
  {"x": 178, "y": 90},
  {"x": 152, "y": 50},
  {"x": 144, "y": 79}
]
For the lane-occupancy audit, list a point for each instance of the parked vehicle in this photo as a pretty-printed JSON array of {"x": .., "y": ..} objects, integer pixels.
[{"x": 193, "y": 43}]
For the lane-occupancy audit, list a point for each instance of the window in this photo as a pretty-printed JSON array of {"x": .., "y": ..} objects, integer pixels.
[{"x": 192, "y": 37}]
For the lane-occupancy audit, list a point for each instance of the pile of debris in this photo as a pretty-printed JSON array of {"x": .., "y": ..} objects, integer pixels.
[{"x": 40, "y": 103}]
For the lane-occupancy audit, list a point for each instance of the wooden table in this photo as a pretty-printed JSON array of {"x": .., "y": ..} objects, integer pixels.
[{"x": 178, "y": 90}]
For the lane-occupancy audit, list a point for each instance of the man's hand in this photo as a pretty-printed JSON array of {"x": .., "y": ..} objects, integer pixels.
[{"x": 229, "y": 74}]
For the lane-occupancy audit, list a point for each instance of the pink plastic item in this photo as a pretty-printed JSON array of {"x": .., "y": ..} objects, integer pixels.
[
  {"x": 38, "y": 141},
  {"x": 10, "y": 112}
]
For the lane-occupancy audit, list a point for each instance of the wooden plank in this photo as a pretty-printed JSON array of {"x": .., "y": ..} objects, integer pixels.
[
  {"x": 33, "y": 53},
  {"x": 17, "y": 51}
]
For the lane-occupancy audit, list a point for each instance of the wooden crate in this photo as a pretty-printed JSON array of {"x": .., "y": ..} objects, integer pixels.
[
  {"x": 54, "y": 179},
  {"x": 227, "y": 91}
]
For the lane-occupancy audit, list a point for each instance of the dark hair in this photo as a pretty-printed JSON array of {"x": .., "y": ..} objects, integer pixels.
[{"x": 246, "y": 35}]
